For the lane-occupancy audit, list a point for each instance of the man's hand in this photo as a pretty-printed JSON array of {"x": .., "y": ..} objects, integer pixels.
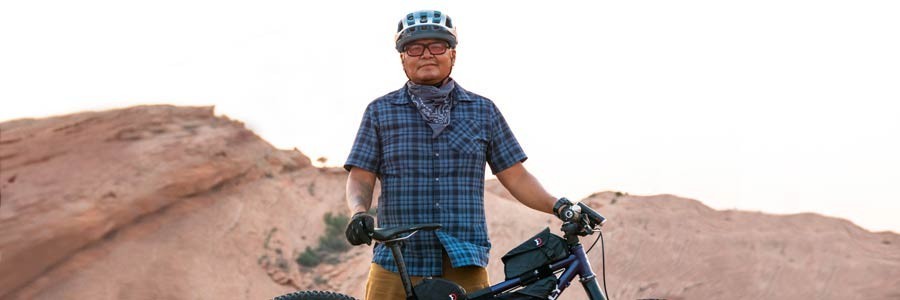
[
  {"x": 559, "y": 209},
  {"x": 359, "y": 228}
]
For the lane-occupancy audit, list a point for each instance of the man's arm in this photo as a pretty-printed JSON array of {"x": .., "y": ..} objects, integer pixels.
[
  {"x": 522, "y": 185},
  {"x": 360, "y": 186}
]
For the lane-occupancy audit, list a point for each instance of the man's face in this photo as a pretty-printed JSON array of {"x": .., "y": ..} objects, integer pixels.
[{"x": 427, "y": 69}]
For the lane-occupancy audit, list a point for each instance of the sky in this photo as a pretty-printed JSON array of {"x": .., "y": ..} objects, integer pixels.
[{"x": 777, "y": 106}]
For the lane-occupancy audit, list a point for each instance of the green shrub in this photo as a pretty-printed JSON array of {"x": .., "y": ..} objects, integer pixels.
[
  {"x": 331, "y": 244},
  {"x": 335, "y": 224},
  {"x": 333, "y": 240},
  {"x": 309, "y": 258}
]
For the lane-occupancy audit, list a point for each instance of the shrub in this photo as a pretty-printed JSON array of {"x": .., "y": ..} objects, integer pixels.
[
  {"x": 331, "y": 244},
  {"x": 309, "y": 258},
  {"x": 333, "y": 240}
]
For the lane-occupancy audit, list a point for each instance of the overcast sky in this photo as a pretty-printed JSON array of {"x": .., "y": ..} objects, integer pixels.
[{"x": 780, "y": 106}]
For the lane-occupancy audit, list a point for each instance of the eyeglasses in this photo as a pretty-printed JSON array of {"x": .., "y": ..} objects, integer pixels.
[{"x": 436, "y": 48}]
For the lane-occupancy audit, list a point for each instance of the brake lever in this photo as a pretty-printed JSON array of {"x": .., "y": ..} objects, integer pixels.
[{"x": 585, "y": 225}]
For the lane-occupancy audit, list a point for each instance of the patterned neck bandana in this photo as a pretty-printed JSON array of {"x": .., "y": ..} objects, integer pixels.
[{"x": 434, "y": 103}]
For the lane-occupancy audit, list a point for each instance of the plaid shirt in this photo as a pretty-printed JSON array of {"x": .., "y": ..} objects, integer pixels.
[{"x": 434, "y": 180}]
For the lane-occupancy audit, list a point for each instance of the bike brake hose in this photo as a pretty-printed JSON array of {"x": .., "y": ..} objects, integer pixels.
[{"x": 602, "y": 260}]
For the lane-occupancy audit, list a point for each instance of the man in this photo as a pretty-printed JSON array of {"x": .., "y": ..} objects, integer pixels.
[{"x": 428, "y": 143}]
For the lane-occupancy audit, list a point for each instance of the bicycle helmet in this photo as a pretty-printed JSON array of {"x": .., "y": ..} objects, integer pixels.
[{"x": 425, "y": 24}]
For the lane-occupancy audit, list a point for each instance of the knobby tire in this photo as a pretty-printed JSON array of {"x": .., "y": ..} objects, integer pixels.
[{"x": 314, "y": 295}]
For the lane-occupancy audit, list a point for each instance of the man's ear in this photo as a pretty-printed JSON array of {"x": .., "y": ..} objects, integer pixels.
[{"x": 452, "y": 57}]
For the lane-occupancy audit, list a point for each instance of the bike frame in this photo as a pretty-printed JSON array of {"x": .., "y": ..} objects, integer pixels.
[{"x": 576, "y": 263}]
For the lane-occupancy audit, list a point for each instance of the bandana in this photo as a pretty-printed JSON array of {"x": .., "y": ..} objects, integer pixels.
[{"x": 434, "y": 103}]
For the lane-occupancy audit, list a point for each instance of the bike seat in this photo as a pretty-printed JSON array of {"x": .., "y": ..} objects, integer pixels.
[{"x": 383, "y": 234}]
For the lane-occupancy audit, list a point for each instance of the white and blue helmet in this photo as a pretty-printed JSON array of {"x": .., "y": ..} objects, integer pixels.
[{"x": 425, "y": 24}]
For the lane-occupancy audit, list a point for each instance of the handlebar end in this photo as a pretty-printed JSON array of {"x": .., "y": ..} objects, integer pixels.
[{"x": 596, "y": 218}]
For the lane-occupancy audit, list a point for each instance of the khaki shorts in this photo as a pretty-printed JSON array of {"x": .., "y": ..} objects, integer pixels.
[{"x": 386, "y": 285}]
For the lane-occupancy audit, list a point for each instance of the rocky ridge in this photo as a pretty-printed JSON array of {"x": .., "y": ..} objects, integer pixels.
[{"x": 164, "y": 202}]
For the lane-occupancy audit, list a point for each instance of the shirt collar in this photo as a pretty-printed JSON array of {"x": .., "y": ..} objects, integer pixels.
[{"x": 458, "y": 93}]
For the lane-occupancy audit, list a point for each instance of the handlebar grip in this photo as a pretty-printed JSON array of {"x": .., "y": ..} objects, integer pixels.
[{"x": 593, "y": 215}]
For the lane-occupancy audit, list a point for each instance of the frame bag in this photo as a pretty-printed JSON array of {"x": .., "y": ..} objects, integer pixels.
[
  {"x": 541, "y": 250},
  {"x": 536, "y": 290},
  {"x": 530, "y": 262}
]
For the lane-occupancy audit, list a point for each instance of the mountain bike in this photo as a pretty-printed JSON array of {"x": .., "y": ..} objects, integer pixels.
[{"x": 540, "y": 268}]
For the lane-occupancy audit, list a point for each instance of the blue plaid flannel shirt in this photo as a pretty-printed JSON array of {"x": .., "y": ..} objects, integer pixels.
[{"x": 434, "y": 180}]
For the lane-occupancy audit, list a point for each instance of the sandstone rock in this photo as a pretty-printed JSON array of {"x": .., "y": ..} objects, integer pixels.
[
  {"x": 163, "y": 202},
  {"x": 73, "y": 185}
]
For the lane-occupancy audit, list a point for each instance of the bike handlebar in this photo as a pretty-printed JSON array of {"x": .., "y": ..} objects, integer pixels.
[{"x": 595, "y": 217}]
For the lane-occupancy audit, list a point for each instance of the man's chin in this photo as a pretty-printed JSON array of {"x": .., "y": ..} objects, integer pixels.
[{"x": 429, "y": 80}]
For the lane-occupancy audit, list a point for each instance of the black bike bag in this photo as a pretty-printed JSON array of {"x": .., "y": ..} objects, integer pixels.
[
  {"x": 541, "y": 250},
  {"x": 540, "y": 289},
  {"x": 439, "y": 289}
]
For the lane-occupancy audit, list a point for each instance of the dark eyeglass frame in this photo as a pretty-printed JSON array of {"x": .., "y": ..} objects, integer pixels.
[{"x": 436, "y": 48}]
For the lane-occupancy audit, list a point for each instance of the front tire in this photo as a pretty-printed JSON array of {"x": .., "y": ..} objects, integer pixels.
[{"x": 314, "y": 295}]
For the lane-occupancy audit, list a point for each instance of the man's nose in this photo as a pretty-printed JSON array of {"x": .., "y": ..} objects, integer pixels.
[{"x": 427, "y": 53}]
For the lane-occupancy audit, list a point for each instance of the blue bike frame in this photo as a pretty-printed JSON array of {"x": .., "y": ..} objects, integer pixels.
[
  {"x": 575, "y": 224},
  {"x": 575, "y": 264}
]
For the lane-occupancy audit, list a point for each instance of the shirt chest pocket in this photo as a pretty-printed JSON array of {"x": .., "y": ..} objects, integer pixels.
[{"x": 467, "y": 138}]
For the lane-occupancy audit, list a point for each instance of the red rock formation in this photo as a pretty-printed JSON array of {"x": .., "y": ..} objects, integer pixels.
[
  {"x": 80, "y": 189},
  {"x": 162, "y": 202}
]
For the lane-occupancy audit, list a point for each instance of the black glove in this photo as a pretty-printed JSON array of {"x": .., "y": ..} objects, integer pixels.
[
  {"x": 562, "y": 205},
  {"x": 361, "y": 225}
]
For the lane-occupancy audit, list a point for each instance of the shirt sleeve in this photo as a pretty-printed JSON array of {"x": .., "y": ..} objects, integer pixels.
[
  {"x": 504, "y": 150},
  {"x": 366, "y": 151}
]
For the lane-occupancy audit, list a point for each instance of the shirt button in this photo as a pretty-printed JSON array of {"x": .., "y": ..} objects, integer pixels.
[
  {"x": 437, "y": 205},
  {"x": 436, "y": 154},
  {"x": 437, "y": 179}
]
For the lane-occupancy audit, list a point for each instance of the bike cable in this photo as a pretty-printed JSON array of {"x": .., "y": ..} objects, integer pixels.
[{"x": 602, "y": 259}]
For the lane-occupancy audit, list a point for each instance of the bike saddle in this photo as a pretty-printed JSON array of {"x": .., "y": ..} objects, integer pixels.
[{"x": 384, "y": 234}]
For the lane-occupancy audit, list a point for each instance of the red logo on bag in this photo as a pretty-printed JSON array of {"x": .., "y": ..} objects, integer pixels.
[
  {"x": 452, "y": 296},
  {"x": 538, "y": 242}
]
